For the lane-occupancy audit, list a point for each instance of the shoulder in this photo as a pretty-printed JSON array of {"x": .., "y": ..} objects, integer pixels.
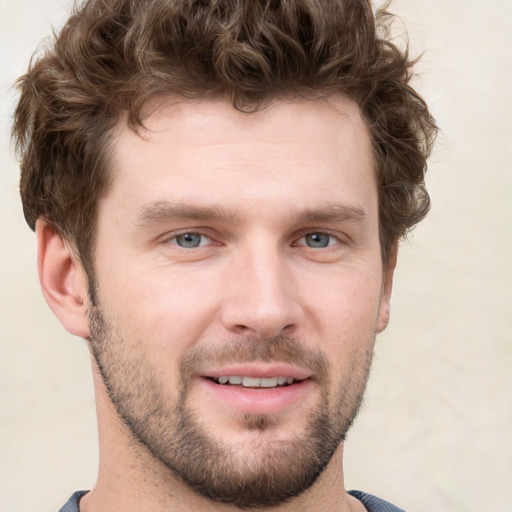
[
  {"x": 374, "y": 504},
  {"x": 72, "y": 505}
]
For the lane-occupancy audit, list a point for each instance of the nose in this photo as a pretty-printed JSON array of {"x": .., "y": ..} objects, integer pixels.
[{"x": 261, "y": 296}]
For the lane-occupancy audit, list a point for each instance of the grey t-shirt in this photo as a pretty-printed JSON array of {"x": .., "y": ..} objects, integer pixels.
[{"x": 372, "y": 503}]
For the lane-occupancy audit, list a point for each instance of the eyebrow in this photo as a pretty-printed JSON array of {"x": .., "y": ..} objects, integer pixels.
[
  {"x": 165, "y": 211},
  {"x": 333, "y": 212}
]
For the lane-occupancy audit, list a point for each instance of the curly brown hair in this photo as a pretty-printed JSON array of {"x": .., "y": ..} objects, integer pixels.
[{"x": 112, "y": 56}]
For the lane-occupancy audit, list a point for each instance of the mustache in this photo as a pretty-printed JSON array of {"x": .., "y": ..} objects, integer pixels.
[{"x": 278, "y": 349}]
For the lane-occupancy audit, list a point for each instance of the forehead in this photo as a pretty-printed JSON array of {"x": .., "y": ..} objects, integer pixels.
[
  {"x": 211, "y": 121},
  {"x": 206, "y": 152}
]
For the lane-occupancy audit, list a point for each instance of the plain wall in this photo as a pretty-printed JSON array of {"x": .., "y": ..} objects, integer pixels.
[{"x": 435, "y": 433}]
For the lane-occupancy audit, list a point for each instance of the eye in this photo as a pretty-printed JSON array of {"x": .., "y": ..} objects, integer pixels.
[
  {"x": 190, "y": 240},
  {"x": 318, "y": 240}
]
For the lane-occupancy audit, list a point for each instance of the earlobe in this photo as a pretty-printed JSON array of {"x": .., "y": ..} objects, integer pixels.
[
  {"x": 62, "y": 279},
  {"x": 387, "y": 287}
]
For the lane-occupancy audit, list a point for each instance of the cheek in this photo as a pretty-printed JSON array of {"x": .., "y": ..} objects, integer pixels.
[
  {"x": 345, "y": 310},
  {"x": 344, "y": 301},
  {"x": 168, "y": 311}
]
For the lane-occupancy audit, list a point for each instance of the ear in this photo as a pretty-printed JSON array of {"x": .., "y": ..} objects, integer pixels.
[
  {"x": 387, "y": 287},
  {"x": 62, "y": 279}
]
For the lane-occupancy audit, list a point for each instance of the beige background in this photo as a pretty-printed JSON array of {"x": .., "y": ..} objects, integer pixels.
[{"x": 436, "y": 432}]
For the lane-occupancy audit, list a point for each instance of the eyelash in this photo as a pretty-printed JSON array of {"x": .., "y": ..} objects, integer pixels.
[
  {"x": 173, "y": 239},
  {"x": 332, "y": 239}
]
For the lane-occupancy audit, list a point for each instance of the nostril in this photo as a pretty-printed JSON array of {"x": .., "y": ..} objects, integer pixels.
[
  {"x": 260, "y": 317},
  {"x": 288, "y": 329},
  {"x": 263, "y": 331},
  {"x": 241, "y": 328}
]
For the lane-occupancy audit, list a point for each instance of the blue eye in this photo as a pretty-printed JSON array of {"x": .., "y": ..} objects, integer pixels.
[
  {"x": 190, "y": 240},
  {"x": 318, "y": 240}
]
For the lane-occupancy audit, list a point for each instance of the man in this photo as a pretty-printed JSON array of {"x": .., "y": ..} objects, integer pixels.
[{"x": 218, "y": 190}]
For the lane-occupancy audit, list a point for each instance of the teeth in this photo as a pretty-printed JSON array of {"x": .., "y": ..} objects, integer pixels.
[
  {"x": 251, "y": 382},
  {"x": 268, "y": 383},
  {"x": 255, "y": 382}
]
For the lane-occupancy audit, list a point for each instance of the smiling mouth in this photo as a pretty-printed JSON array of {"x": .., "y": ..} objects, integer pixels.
[{"x": 255, "y": 382}]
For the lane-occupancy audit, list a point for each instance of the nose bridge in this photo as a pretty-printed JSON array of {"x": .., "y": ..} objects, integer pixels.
[{"x": 261, "y": 298}]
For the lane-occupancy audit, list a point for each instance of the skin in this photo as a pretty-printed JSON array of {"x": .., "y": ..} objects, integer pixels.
[{"x": 276, "y": 176}]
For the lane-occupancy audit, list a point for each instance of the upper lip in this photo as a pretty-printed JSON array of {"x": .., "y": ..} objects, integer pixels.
[{"x": 260, "y": 370}]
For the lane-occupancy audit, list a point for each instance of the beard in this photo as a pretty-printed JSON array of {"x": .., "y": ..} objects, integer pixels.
[{"x": 175, "y": 435}]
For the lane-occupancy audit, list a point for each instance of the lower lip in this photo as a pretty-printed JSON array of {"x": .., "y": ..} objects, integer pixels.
[{"x": 259, "y": 400}]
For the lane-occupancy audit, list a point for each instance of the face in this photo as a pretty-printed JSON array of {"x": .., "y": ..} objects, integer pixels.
[{"x": 240, "y": 287}]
